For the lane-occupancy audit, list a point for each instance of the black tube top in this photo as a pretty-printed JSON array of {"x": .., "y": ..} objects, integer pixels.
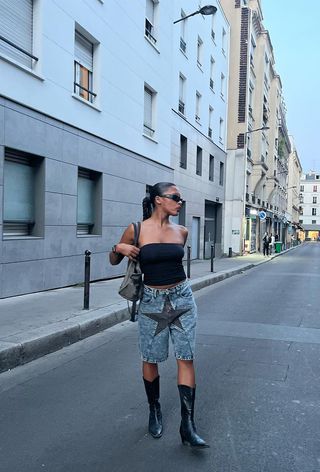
[{"x": 161, "y": 263}]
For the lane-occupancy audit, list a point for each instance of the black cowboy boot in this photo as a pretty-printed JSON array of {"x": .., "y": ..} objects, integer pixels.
[
  {"x": 188, "y": 430},
  {"x": 155, "y": 416}
]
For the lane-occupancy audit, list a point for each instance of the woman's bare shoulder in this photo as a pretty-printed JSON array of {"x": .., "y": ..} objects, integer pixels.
[{"x": 182, "y": 230}]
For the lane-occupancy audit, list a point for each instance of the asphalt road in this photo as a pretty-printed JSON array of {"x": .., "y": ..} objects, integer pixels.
[{"x": 83, "y": 409}]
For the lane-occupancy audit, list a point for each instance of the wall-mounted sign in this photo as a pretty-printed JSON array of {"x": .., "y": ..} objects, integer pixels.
[
  {"x": 262, "y": 215},
  {"x": 235, "y": 231}
]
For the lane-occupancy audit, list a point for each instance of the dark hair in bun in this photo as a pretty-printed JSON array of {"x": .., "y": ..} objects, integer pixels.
[{"x": 148, "y": 203}]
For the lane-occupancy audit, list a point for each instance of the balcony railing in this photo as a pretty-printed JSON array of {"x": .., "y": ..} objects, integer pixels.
[
  {"x": 2, "y": 38},
  {"x": 149, "y": 31},
  {"x": 148, "y": 130},
  {"x": 181, "y": 107},
  {"x": 183, "y": 45}
]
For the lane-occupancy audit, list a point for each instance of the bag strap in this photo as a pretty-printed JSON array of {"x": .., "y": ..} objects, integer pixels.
[{"x": 137, "y": 227}]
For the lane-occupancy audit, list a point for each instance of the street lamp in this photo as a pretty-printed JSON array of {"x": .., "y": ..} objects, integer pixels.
[
  {"x": 206, "y": 10},
  {"x": 263, "y": 128},
  {"x": 244, "y": 224}
]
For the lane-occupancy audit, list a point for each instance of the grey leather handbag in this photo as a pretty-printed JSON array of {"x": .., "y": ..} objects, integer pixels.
[{"x": 131, "y": 287}]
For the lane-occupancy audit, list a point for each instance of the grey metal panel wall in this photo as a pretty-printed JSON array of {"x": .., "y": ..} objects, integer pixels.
[{"x": 56, "y": 260}]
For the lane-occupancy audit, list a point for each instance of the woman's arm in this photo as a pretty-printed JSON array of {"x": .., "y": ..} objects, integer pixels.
[{"x": 125, "y": 247}]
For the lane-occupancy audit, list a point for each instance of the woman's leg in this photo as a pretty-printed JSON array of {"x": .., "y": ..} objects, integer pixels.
[
  {"x": 149, "y": 371},
  {"x": 186, "y": 374}
]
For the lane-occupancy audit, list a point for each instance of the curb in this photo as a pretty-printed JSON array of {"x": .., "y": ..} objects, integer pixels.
[{"x": 23, "y": 348}]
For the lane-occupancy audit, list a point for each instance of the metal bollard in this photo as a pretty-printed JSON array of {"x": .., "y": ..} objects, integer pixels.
[
  {"x": 188, "y": 261},
  {"x": 86, "y": 297},
  {"x": 230, "y": 252},
  {"x": 212, "y": 257}
]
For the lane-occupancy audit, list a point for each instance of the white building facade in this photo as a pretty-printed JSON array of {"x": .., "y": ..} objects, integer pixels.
[
  {"x": 87, "y": 121},
  {"x": 310, "y": 205},
  {"x": 199, "y": 120}
]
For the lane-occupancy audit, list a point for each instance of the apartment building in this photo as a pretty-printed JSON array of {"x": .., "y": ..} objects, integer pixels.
[
  {"x": 89, "y": 117},
  {"x": 199, "y": 120},
  {"x": 256, "y": 164},
  {"x": 310, "y": 206},
  {"x": 293, "y": 193}
]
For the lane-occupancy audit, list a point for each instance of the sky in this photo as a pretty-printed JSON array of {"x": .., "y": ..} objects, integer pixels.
[{"x": 294, "y": 28}]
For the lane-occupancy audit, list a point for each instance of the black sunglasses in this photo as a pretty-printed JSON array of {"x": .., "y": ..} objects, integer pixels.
[{"x": 173, "y": 196}]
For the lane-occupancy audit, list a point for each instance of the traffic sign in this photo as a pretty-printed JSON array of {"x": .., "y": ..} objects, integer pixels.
[{"x": 262, "y": 215}]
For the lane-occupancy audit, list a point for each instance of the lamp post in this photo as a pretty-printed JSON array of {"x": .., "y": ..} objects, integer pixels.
[
  {"x": 262, "y": 128},
  {"x": 206, "y": 10}
]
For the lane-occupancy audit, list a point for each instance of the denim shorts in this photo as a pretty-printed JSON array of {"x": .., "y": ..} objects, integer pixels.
[{"x": 163, "y": 313}]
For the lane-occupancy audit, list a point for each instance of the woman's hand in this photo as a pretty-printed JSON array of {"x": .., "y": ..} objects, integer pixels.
[
  {"x": 128, "y": 250},
  {"x": 125, "y": 248}
]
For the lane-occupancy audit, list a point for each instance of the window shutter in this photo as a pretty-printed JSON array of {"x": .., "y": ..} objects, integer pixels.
[
  {"x": 150, "y": 11},
  {"x": 85, "y": 198},
  {"x": 16, "y": 20},
  {"x": 181, "y": 88},
  {"x": 19, "y": 184},
  {"x": 148, "y": 107},
  {"x": 83, "y": 51}
]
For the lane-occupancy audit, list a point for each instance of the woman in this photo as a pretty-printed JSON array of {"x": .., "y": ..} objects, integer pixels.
[{"x": 167, "y": 307}]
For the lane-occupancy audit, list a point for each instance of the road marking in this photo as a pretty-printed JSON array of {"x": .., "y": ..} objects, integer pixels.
[{"x": 259, "y": 331}]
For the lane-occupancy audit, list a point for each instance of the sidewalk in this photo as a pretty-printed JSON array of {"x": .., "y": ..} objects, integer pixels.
[{"x": 36, "y": 324}]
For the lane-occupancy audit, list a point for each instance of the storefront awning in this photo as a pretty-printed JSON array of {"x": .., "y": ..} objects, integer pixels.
[{"x": 311, "y": 227}]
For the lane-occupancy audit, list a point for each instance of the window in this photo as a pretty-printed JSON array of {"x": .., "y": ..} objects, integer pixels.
[
  {"x": 210, "y": 122},
  {"x": 251, "y": 88},
  {"x": 213, "y": 34},
  {"x": 23, "y": 194},
  {"x": 151, "y": 13},
  {"x": 16, "y": 31},
  {"x": 252, "y": 51},
  {"x": 212, "y": 63},
  {"x": 211, "y": 168},
  {"x": 183, "y": 151},
  {"x": 301, "y": 188},
  {"x": 314, "y": 211},
  {"x": 198, "y": 105},
  {"x": 83, "y": 67},
  {"x": 221, "y": 130},
  {"x": 315, "y": 188},
  {"x": 183, "y": 25},
  {"x": 248, "y": 140},
  {"x": 222, "y": 86},
  {"x": 149, "y": 104},
  {"x": 199, "y": 161},
  {"x": 182, "y": 81},
  {"x": 199, "y": 52},
  {"x": 221, "y": 174},
  {"x": 314, "y": 222},
  {"x": 224, "y": 41},
  {"x": 89, "y": 202},
  {"x": 314, "y": 199}
]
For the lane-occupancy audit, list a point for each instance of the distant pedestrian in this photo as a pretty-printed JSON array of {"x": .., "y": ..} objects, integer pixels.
[
  {"x": 167, "y": 308},
  {"x": 266, "y": 241},
  {"x": 272, "y": 243}
]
